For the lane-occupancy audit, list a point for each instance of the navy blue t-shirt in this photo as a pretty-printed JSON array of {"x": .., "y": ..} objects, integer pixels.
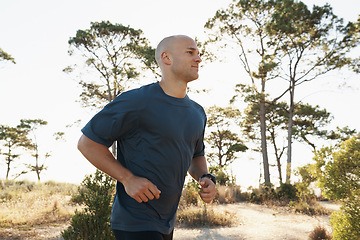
[{"x": 157, "y": 137}]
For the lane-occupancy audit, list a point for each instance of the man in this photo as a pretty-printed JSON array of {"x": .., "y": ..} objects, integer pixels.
[{"x": 159, "y": 133}]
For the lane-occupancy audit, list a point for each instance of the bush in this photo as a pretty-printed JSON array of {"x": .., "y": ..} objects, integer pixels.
[
  {"x": 346, "y": 223},
  {"x": 309, "y": 208},
  {"x": 190, "y": 194},
  {"x": 319, "y": 233},
  {"x": 88, "y": 226},
  {"x": 263, "y": 195},
  {"x": 229, "y": 194},
  {"x": 281, "y": 196},
  {"x": 286, "y": 192},
  {"x": 96, "y": 193},
  {"x": 223, "y": 178}
]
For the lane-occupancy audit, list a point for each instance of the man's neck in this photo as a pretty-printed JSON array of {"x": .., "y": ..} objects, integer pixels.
[{"x": 175, "y": 89}]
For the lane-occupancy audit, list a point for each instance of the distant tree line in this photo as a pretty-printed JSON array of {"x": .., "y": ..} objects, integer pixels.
[{"x": 21, "y": 139}]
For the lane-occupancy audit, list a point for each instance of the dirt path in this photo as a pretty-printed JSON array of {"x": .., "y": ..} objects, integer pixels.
[
  {"x": 254, "y": 222},
  {"x": 258, "y": 222}
]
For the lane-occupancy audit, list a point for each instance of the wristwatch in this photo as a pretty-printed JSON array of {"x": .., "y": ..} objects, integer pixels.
[{"x": 209, "y": 175}]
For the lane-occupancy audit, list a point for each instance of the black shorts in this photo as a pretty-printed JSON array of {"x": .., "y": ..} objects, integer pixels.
[{"x": 146, "y": 235}]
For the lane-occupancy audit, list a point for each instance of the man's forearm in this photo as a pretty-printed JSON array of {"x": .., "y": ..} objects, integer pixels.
[
  {"x": 100, "y": 156},
  {"x": 198, "y": 167}
]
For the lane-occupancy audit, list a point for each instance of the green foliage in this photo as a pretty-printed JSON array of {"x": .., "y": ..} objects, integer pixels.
[
  {"x": 222, "y": 176},
  {"x": 12, "y": 138},
  {"x": 346, "y": 223},
  {"x": 86, "y": 226},
  {"x": 341, "y": 169},
  {"x": 309, "y": 121},
  {"x": 223, "y": 142},
  {"x": 31, "y": 125},
  {"x": 4, "y": 56},
  {"x": 96, "y": 193},
  {"x": 114, "y": 52},
  {"x": 190, "y": 194},
  {"x": 284, "y": 194},
  {"x": 287, "y": 192},
  {"x": 285, "y": 41},
  {"x": 338, "y": 169}
]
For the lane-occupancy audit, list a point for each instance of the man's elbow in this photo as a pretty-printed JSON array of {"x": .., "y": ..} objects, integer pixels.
[{"x": 81, "y": 143}]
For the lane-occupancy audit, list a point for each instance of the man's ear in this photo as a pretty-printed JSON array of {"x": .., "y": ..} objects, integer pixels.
[{"x": 165, "y": 58}]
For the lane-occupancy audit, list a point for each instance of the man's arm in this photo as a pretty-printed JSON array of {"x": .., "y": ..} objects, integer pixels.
[
  {"x": 198, "y": 168},
  {"x": 141, "y": 189}
]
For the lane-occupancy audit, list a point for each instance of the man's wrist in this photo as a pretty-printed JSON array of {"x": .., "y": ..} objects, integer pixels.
[{"x": 210, "y": 176}]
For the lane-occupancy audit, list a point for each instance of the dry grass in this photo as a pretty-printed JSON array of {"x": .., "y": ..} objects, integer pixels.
[
  {"x": 312, "y": 208},
  {"x": 319, "y": 233},
  {"x": 204, "y": 216},
  {"x": 25, "y": 205}
]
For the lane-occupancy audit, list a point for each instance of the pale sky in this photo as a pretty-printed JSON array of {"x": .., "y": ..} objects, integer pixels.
[{"x": 36, "y": 33}]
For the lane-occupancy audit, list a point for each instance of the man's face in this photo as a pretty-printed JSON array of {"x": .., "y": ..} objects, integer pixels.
[{"x": 185, "y": 59}]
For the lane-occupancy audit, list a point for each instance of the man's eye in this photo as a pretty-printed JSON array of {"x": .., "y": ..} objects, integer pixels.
[{"x": 190, "y": 52}]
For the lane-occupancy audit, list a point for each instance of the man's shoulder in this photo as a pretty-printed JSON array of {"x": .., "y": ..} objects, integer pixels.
[
  {"x": 138, "y": 93},
  {"x": 197, "y": 106}
]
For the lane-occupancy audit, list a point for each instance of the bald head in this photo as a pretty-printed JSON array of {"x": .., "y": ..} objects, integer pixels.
[{"x": 166, "y": 45}]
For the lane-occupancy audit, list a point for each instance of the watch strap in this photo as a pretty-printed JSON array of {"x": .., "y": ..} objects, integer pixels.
[{"x": 209, "y": 175}]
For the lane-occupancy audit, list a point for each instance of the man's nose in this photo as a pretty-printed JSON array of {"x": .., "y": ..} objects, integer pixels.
[{"x": 198, "y": 59}]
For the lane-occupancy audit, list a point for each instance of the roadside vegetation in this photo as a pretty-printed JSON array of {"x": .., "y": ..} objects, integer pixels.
[{"x": 26, "y": 205}]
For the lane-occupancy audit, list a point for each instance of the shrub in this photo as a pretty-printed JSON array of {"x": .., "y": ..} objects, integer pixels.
[
  {"x": 309, "y": 208},
  {"x": 286, "y": 192},
  {"x": 263, "y": 195},
  {"x": 222, "y": 176},
  {"x": 96, "y": 193},
  {"x": 190, "y": 195},
  {"x": 319, "y": 233},
  {"x": 346, "y": 223},
  {"x": 279, "y": 196},
  {"x": 229, "y": 194}
]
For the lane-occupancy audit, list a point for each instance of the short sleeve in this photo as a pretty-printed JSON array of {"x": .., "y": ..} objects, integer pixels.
[
  {"x": 115, "y": 120},
  {"x": 200, "y": 146}
]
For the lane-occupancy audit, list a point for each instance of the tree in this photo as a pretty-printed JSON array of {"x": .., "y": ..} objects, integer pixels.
[
  {"x": 12, "y": 138},
  {"x": 4, "y": 56},
  {"x": 30, "y": 126},
  {"x": 292, "y": 43},
  {"x": 115, "y": 53},
  {"x": 310, "y": 44},
  {"x": 276, "y": 120},
  {"x": 224, "y": 142},
  {"x": 308, "y": 123},
  {"x": 244, "y": 21}
]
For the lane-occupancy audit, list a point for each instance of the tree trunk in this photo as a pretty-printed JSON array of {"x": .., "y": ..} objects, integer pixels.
[
  {"x": 8, "y": 163},
  {"x": 8, "y": 170},
  {"x": 290, "y": 133},
  {"x": 263, "y": 142},
  {"x": 277, "y": 155},
  {"x": 288, "y": 165}
]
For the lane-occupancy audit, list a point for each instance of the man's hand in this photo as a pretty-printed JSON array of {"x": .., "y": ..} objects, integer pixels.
[
  {"x": 141, "y": 189},
  {"x": 208, "y": 190}
]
